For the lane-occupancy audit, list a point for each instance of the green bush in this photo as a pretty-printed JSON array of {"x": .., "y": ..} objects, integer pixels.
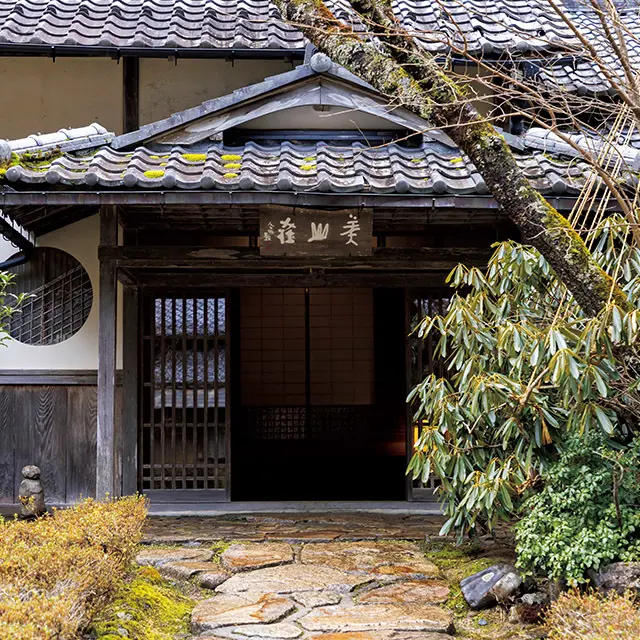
[{"x": 587, "y": 514}]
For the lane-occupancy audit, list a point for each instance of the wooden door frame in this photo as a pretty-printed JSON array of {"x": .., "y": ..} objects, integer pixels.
[{"x": 134, "y": 300}]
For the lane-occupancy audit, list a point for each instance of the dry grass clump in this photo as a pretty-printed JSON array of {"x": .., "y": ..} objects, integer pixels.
[
  {"x": 589, "y": 616},
  {"x": 58, "y": 571}
]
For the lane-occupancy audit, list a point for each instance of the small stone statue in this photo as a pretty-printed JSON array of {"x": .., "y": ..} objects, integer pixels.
[{"x": 31, "y": 493}]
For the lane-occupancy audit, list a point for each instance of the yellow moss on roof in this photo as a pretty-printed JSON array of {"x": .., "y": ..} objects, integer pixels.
[
  {"x": 154, "y": 173},
  {"x": 194, "y": 157}
]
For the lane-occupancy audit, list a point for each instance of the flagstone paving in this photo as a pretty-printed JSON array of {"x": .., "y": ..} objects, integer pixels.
[{"x": 367, "y": 590}]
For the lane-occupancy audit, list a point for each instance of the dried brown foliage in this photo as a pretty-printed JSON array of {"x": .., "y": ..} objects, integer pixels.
[
  {"x": 57, "y": 572},
  {"x": 590, "y": 616}
]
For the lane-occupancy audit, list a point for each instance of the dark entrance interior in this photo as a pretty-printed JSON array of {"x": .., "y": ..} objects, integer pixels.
[{"x": 318, "y": 384}]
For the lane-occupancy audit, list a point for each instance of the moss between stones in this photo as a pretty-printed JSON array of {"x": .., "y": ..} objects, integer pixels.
[
  {"x": 230, "y": 175},
  {"x": 146, "y": 608},
  {"x": 232, "y": 165},
  {"x": 33, "y": 161},
  {"x": 307, "y": 167},
  {"x": 230, "y": 157}
]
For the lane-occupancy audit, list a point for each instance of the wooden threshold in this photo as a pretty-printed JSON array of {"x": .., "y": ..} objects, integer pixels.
[{"x": 215, "y": 509}]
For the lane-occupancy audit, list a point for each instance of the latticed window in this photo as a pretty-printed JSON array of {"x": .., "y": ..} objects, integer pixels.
[{"x": 58, "y": 302}]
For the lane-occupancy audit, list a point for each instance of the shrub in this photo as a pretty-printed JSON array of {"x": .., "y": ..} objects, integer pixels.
[
  {"x": 586, "y": 516},
  {"x": 588, "y": 616},
  {"x": 58, "y": 571},
  {"x": 524, "y": 368}
]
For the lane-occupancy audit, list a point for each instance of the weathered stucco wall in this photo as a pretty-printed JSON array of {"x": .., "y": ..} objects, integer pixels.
[
  {"x": 39, "y": 95},
  {"x": 166, "y": 87},
  {"x": 81, "y": 350}
]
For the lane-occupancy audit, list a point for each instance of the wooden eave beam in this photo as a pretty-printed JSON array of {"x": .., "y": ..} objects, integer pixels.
[{"x": 247, "y": 259}]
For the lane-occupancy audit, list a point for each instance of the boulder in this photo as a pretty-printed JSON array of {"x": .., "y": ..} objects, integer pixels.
[
  {"x": 618, "y": 577},
  {"x": 499, "y": 583}
]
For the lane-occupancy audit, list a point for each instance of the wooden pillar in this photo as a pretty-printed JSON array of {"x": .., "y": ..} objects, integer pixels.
[
  {"x": 130, "y": 93},
  {"x": 130, "y": 387},
  {"x": 105, "y": 436}
]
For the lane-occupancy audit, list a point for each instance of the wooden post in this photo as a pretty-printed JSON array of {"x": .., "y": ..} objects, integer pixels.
[
  {"x": 105, "y": 435},
  {"x": 130, "y": 93},
  {"x": 129, "y": 390}
]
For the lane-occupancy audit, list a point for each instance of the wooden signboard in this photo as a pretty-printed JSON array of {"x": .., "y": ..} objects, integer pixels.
[{"x": 311, "y": 232}]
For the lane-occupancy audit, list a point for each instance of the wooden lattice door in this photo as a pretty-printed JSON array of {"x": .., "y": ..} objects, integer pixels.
[{"x": 184, "y": 434}]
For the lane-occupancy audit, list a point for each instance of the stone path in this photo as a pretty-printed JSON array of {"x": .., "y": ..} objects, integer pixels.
[{"x": 367, "y": 590}]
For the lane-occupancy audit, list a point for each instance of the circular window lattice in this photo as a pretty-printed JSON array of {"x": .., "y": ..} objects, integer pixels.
[{"x": 59, "y": 298}]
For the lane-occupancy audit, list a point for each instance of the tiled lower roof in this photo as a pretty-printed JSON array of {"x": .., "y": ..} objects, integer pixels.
[{"x": 432, "y": 168}]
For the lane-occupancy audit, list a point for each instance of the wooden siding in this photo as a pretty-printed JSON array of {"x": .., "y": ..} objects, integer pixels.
[{"x": 54, "y": 427}]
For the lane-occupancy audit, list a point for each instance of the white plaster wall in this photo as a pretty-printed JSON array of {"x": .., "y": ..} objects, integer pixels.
[
  {"x": 81, "y": 240},
  {"x": 309, "y": 118}
]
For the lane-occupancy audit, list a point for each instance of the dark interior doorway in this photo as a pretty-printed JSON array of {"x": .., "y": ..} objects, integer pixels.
[{"x": 319, "y": 384}]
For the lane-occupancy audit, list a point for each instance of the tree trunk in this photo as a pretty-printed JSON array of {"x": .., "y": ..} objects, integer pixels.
[{"x": 415, "y": 80}]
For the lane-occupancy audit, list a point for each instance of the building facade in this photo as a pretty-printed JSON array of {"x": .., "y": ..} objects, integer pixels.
[{"x": 226, "y": 243}]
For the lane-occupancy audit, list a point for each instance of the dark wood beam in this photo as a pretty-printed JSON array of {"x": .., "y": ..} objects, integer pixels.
[
  {"x": 233, "y": 198},
  {"x": 107, "y": 308},
  {"x": 217, "y": 281},
  {"x": 248, "y": 259},
  {"x": 130, "y": 93},
  {"x": 130, "y": 383}
]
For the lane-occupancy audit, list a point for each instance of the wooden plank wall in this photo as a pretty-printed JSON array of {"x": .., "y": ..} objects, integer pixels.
[{"x": 54, "y": 427}]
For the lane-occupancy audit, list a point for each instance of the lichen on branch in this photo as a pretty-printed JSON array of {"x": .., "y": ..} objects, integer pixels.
[{"x": 395, "y": 66}]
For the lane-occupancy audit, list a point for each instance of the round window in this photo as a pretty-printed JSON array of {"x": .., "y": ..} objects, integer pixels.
[{"x": 58, "y": 297}]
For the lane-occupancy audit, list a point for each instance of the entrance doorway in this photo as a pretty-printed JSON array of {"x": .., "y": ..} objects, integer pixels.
[{"x": 319, "y": 385}]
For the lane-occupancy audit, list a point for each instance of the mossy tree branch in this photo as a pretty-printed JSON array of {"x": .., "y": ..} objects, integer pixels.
[{"x": 396, "y": 67}]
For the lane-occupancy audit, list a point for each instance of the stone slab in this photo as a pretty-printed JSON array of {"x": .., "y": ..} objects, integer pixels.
[
  {"x": 379, "y": 617},
  {"x": 385, "y": 560},
  {"x": 311, "y": 599},
  {"x": 291, "y": 578},
  {"x": 246, "y": 557},
  {"x": 230, "y": 610},
  {"x": 185, "y": 569},
  {"x": 277, "y": 631},
  {"x": 423, "y": 591},
  {"x": 159, "y": 557},
  {"x": 212, "y": 579}
]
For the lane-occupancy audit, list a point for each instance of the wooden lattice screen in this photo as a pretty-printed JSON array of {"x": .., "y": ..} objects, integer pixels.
[
  {"x": 184, "y": 435},
  {"x": 423, "y": 362},
  {"x": 54, "y": 311}
]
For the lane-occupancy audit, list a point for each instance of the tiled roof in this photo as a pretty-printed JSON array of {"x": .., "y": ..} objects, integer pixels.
[
  {"x": 63, "y": 140},
  {"x": 430, "y": 169},
  {"x": 218, "y": 24}
]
